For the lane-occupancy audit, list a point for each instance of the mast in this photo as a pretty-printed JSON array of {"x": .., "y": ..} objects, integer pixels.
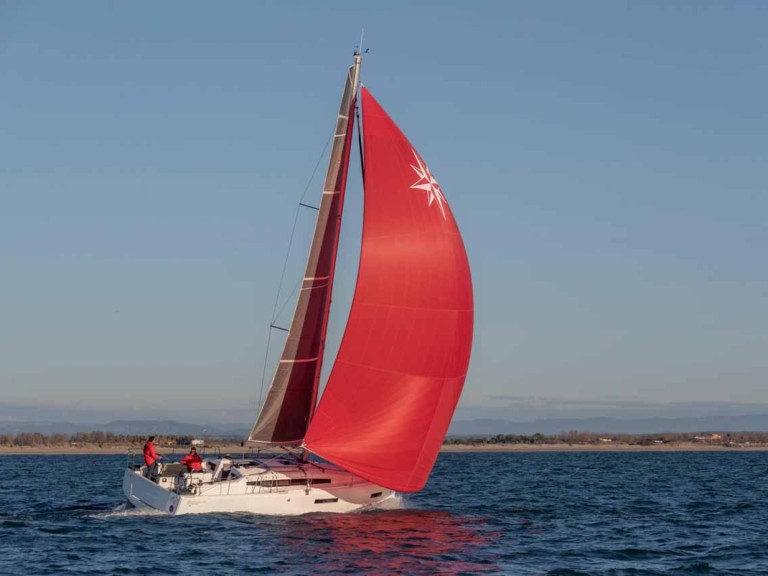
[{"x": 292, "y": 395}]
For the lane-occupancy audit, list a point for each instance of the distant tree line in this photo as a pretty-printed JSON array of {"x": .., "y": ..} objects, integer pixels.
[{"x": 590, "y": 438}]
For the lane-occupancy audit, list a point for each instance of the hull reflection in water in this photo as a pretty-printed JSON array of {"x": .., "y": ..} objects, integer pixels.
[{"x": 395, "y": 542}]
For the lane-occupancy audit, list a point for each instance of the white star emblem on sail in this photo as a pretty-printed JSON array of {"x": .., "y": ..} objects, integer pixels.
[{"x": 428, "y": 183}]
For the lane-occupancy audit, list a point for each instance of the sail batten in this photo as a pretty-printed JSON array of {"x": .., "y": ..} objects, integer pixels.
[
  {"x": 292, "y": 395},
  {"x": 403, "y": 359}
]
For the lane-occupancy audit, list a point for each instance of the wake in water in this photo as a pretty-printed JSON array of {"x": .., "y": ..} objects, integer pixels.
[
  {"x": 125, "y": 510},
  {"x": 395, "y": 502},
  {"x": 63, "y": 512}
]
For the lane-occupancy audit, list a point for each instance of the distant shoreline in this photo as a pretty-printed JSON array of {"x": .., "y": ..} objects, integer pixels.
[
  {"x": 234, "y": 450},
  {"x": 614, "y": 447}
]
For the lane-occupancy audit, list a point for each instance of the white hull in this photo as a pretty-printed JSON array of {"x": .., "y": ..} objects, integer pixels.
[{"x": 276, "y": 486}]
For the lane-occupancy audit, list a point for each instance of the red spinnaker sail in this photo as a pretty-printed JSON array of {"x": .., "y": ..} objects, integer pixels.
[{"x": 403, "y": 359}]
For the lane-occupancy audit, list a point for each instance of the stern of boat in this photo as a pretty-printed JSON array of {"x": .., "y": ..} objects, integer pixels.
[{"x": 145, "y": 493}]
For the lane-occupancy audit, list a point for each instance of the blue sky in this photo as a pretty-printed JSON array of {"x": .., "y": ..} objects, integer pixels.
[{"x": 606, "y": 162}]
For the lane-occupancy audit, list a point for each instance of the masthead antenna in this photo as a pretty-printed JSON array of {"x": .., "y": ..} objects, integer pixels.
[{"x": 359, "y": 48}]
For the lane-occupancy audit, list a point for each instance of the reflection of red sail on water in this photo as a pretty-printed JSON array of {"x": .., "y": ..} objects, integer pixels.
[{"x": 392, "y": 542}]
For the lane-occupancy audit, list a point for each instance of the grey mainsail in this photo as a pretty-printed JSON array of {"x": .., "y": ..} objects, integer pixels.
[{"x": 292, "y": 395}]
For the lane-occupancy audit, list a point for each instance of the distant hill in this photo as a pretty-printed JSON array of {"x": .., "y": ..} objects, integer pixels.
[
  {"x": 172, "y": 427},
  {"x": 15, "y": 427},
  {"x": 487, "y": 426},
  {"x": 127, "y": 427}
]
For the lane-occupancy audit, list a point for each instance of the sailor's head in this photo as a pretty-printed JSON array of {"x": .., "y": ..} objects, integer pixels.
[
  {"x": 193, "y": 449},
  {"x": 151, "y": 439}
]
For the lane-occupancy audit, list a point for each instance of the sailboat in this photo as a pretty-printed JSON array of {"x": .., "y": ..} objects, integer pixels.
[{"x": 399, "y": 370}]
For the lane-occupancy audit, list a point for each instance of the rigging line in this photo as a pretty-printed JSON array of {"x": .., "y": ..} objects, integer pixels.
[
  {"x": 289, "y": 298},
  {"x": 295, "y": 221},
  {"x": 285, "y": 265},
  {"x": 263, "y": 371}
]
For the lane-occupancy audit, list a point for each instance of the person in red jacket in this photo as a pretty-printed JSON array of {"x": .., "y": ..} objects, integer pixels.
[
  {"x": 193, "y": 460},
  {"x": 150, "y": 456}
]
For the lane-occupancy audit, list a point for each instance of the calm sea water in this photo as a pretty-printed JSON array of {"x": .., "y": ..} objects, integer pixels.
[{"x": 561, "y": 514}]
